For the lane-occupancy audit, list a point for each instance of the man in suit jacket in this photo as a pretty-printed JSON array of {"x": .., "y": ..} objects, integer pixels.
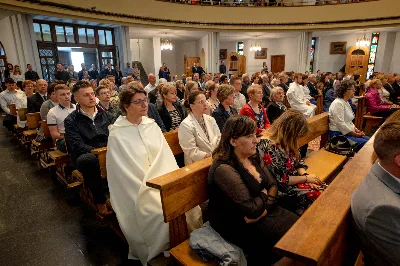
[
  {"x": 393, "y": 88},
  {"x": 35, "y": 101},
  {"x": 375, "y": 204},
  {"x": 311, "y": 86},
  {"x": 222, "y": 68}
]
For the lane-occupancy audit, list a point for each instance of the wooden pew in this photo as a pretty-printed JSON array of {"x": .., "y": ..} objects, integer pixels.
[
  {"x": 324, "y": 234},
  {"x": 320, "y": 104},
  {"x": 41, "y": 149},
  {"x": 185, "y": 188},
  {"x": 32, "y": 123},
  {"x": 361, "y": 117}
]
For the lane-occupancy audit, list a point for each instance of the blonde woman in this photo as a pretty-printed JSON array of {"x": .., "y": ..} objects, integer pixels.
[
  {"x": 280, "y": 153},
  {"x": 17, "y": 76},
  {"x": 211, "y": 93},
  {"x": 171, "y": 111},
  {"x": 226, "y": 96}
]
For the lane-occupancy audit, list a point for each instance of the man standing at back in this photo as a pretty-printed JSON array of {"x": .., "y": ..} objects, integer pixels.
[
  {"x": 61, "y": 74},
  {"x": 375, "y": 204},
  {"x": 35, "y": 101},
  {"x": 30, "y": 74},
  {"x": 86, "y": 129}
]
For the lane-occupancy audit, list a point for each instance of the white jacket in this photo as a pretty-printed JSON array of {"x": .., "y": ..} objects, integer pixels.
[
  {"x": 297, "y": 100},
  {"x": 194, "y": 141}
]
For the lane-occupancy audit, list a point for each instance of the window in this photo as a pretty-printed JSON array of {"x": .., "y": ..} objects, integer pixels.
[
  {"x": 109, "y": 38},
  {"x": 240, "y": 48},
  {"x": 90, "y": 36},
  {"x": 46, "y": 32},
  {"x": 372, "y": 53},
  {"x": 69, "y": 31},
  {"x": 3, "y": 59},
  {"x": 82, "y": 35},
  {"x": 102, "y": 38},
  {"x": 60, "y": 33},
  {"x": 312, "y": 53},
  {"x": 36, "y": 29}
]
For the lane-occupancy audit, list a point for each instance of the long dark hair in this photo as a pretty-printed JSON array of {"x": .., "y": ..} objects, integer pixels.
[{"x": 237, "y": 126}]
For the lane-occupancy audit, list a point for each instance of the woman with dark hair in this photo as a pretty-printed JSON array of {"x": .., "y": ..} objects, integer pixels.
[
  {"x": 171, "y": 111},
  {"x": 223, "y": 79},
  {"x": 8, "y": 71},
  {"x": 191, "y": 86},
  {"x": 198, "y": 133},
  {"x": 137, "y": 152},
  {"x": 341, "y": 115},
  {"x": 280, "y": 153},
  {"x": 242, "y": 194}
]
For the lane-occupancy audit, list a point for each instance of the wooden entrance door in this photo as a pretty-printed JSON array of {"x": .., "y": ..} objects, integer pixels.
[
  {"x": 277, "y": 63},
  {"x": 188, "y": 63}
]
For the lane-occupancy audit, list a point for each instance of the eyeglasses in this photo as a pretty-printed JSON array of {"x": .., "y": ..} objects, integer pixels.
[
  {"x": 138, "y": 102},
  {"x": 201, "y": 102}
]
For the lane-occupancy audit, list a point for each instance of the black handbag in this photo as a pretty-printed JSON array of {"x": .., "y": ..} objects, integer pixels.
[{"x": 341, "y": 145}]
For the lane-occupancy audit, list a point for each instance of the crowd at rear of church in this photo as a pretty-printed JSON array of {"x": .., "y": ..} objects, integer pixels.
[{"x": 243, "y": 123}]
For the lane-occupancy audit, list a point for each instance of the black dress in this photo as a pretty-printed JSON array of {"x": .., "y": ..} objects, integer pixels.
[{"x": 234, "y": 194}]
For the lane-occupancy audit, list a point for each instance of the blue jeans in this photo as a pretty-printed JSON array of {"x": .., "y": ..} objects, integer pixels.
[
  {"x": 360, "y": 141},
  {"x": 313, "y": 102}
]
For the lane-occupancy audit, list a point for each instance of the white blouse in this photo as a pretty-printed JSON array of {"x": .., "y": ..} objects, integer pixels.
[
  {"x": 341, "y": 116},
  {"x": 17, "y": 78}
]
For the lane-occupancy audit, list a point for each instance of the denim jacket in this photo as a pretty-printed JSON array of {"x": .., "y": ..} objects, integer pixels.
[{"x": 212, "y": 247}]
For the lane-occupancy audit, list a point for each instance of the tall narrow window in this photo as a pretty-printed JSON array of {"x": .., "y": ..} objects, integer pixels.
[
  {"x": 36, "y": 29},
  {"x": 102, "y": 37},
  {"x": 240, "y": 48},
  {"x": 46, "y": 32},
  {"x": 372, "y": 53},
  {"x": 312, "y": 53}
]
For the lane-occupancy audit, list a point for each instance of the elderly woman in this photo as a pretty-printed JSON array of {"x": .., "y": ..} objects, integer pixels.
[
  {"x": 385, "y": 95},
  {"x": 374, "y": 103},
  {"x": 198, "y": 133},
  {"x": 211, "y": 92},
  {"x": 224, "y": 110},
  {"x": 242, "y": 194},
  {"x": 276, "y": 107},
  {"x": 137, "y": 152},
  {"x": 254, "y": 108},
  {"x": 171, "y": 111},
  {"x": 280, "y": 153},
  {"x": 341, "y": 115}
]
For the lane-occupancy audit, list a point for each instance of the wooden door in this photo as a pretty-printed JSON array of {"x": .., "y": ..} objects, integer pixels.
[
  {"x": 188, "y": 63},
  {"x": 357, "y": 60},
  {"x": 277, "y": 63}
]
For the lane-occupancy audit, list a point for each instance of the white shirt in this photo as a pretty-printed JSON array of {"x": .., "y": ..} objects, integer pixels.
[
  {"x": 7, "y": 97},
  {"x": 239, "y": 101},
  {"x": 341, "y": 116},
  {"x": 17, "y": 78},
  {"x": 149, "y": 88},
  {"x": 57, "y": 115}
]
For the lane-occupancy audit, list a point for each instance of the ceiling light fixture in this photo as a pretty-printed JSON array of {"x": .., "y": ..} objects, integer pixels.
[
  {"x": 363, "y": 41},
  {"x": 256, "y": 47},
  {"x": 166, "y": 44}
]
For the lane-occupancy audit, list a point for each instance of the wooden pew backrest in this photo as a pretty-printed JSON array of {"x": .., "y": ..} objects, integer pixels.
[
  {"x": 13, "y": 109},
  {"x": 318, "y": 126},
  {"x": 173, "y": 142},
  {"x": 33, "y": 120},
  {"x": 323, "y": 235},
  {"x": 45, "y": 127},
  {"x": 22, "y": 113}
]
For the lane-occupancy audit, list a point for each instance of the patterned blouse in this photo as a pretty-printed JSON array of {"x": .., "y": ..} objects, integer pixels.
[
  {"x": 282, "y": 165},
  {"x": 176, "y": 119},
  {"x": 203, "y": 126}
]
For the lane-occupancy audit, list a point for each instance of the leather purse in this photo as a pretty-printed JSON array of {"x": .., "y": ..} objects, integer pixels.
[{"x": 341, "y": 145}]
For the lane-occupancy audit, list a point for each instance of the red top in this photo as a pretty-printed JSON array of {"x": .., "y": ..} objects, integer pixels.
[
  {"x": 374, "y": 102},
  {"x": 248, "y": 111}
]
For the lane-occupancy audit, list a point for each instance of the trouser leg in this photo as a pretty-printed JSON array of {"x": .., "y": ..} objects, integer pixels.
[
  {"x": 9, "y": 121},
  {"x": 60, "y": 144},
  {"x": 88, "y": 165}
]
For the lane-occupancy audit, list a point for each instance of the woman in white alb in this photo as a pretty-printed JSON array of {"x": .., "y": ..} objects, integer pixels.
[{"x": 137, "y": 152}]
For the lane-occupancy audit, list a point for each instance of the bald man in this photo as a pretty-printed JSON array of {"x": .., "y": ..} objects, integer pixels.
[
  {"x": 152, "y": 83},
  {"x": 35, "y": 101}
]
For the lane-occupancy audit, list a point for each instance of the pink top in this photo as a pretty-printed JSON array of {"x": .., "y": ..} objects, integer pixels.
[{"x": 374, "y": 101}]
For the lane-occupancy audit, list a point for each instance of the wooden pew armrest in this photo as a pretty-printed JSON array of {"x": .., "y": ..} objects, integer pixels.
[{"x": 99, "y": 151}]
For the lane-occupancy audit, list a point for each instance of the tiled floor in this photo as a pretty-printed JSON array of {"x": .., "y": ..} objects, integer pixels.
[{"x": 38, "y": 226}]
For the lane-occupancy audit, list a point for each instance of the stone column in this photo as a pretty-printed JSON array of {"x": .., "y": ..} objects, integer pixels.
[
  {"x": 303, "y": 54},
  {"x": 156, "y": 55}
]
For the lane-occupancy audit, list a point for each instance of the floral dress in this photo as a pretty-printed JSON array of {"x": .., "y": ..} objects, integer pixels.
[{"x": 282, "y": 165}]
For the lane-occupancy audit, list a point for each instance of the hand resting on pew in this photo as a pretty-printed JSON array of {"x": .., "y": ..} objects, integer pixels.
[{"x": 251, "y": 221}]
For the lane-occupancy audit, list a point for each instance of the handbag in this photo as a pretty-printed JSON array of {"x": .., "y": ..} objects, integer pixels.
[{"x": 341, "y": 145}]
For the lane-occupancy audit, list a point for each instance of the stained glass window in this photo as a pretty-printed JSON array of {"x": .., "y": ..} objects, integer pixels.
[
  {"x": 312, "y": 54},
  {"x": 372, "y": 53},
  {"x": 240, "y": 48}
]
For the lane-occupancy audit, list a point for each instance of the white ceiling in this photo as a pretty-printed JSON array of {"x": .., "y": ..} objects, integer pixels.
[{"x": 179, "y": 35}]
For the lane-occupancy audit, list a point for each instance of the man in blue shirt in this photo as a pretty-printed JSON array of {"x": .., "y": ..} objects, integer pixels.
[{"x": 128, "y": 71}]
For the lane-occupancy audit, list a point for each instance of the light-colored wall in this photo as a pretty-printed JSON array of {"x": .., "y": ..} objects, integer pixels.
[
  {"x": 333, "y": 63},
  {"x": 203, "y": 44},
  {"x": 142, "y": 50},
  {"x": 395, "y": 65},
  {"x": 286, "y": 46},
  {"x": 169, "y": 57}
]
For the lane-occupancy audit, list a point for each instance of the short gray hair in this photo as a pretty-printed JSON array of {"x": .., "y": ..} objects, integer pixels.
[{"x": 274, "y": 91}]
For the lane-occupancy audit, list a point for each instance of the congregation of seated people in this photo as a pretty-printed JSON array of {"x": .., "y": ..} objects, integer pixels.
[{"x": 249, "y": 125}]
